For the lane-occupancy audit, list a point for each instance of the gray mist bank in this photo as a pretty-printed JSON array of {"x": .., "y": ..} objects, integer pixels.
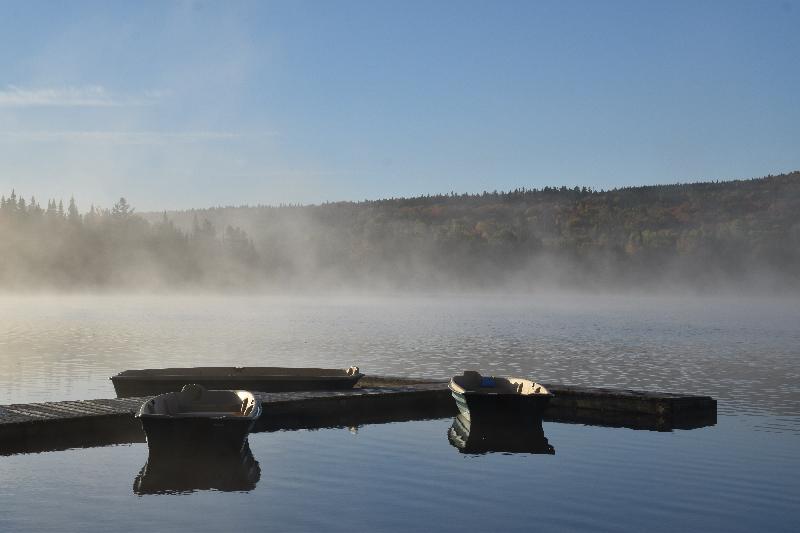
[{"x": 741, "y": 236}]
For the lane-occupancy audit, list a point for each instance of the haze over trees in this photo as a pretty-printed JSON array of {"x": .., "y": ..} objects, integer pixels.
[
  {"x": 742, "y": 233},
  {"x": 60, "y": 248}
]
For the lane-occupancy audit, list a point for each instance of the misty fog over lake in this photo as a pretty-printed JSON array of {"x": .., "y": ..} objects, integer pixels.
[{"x": 730, "y": 237}]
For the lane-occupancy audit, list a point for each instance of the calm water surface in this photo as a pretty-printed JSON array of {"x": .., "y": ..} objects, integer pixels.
[{"x": 740, "y": 475}]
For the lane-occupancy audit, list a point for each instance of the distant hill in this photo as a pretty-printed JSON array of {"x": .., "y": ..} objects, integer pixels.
[{"x": 704, "y": 236}]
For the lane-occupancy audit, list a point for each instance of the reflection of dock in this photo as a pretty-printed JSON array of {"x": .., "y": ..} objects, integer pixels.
[{"x": 47, "y": 426}]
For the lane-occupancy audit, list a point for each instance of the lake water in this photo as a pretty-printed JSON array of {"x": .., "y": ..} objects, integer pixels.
[{"x": 739, "y": 475}]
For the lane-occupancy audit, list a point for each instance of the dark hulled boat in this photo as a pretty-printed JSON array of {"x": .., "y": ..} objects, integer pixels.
[
  {"x": 152, "y": 381},
  {"x": 197, "y": 418},
  {"x": 497, "y": 398}
]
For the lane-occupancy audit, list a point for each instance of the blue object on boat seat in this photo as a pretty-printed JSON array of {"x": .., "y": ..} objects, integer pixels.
[{"x": 487, "y": 381}]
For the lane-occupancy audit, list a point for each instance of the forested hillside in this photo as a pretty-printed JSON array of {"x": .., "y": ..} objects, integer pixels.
[
  {"x": 706, "y": 235},
  {"x": 54, "y": 247}
]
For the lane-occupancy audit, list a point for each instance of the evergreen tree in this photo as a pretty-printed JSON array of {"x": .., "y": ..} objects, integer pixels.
[
  {"x": 73, "y": 215},
  {"x": 51, "y": 209},
  {"x": 91, "y": 216},
  {"x": 121, "y": 209}
]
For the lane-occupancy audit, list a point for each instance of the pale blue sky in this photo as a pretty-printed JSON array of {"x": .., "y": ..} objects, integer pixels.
[{"x": 192, "y": 104}]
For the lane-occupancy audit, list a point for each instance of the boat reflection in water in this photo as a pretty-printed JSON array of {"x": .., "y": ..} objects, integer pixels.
[
  {"x": 174, "y": 471},
  {"x": 482, "y": 436}
]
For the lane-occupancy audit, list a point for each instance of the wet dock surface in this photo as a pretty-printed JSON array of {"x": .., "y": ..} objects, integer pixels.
[{"x": 29, "y": 428}]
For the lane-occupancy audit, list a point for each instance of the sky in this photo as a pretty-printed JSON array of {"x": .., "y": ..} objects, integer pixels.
[{"x": 187, "y": 104}]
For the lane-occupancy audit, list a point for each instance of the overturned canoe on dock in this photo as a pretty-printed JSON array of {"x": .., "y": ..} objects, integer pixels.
[{"x": 254, "y": 378}]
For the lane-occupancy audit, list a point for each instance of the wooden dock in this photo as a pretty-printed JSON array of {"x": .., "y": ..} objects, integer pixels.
[{"x": 27, "y": 428}]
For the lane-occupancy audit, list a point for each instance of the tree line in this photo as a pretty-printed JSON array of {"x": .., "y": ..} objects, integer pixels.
[
  {"x": 54, "y": 247},
  {"x": 703, "y": 235}
]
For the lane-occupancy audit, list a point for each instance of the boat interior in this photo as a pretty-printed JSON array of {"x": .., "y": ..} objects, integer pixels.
[
  {"x": 473, "y": 381},
  {"x": 197, "y": 401}
]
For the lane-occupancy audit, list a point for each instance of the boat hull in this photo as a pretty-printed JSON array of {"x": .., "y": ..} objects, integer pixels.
[
  {"x": 193, "y": 433},
  {"x": 474, "y": 405},
  {"x": 135, "y": 383}
]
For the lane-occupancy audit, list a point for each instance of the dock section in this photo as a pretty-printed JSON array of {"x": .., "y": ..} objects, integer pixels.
[
  {"x": 51, "y": 426},
  {"x": 29, "y": 428}
]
